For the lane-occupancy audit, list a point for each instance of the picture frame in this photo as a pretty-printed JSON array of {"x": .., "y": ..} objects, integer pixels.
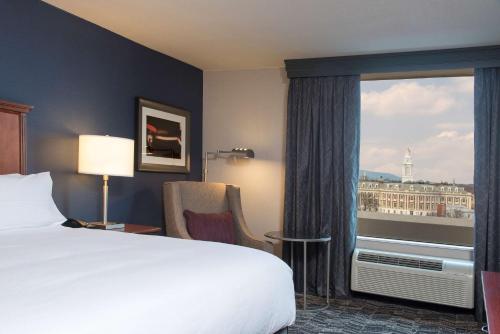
[{"x": 163, "y": 137}]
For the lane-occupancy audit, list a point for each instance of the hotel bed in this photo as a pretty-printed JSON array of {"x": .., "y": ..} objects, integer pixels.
[
  {"x": 55, "y": 279},
  {"x": 61, "y": 280}
]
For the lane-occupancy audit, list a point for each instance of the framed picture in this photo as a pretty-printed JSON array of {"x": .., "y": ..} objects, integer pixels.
[{"x": 163, "y": 138}]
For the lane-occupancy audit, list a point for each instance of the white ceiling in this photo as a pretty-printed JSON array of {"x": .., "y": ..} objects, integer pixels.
[{"x": 248, "y": 34}]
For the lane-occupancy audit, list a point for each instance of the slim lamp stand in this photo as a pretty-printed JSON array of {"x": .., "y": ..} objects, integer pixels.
[
  {"x": 105, "y": 224},
  {"x": 205, "y": 168},
  {"x": 105, "y": 179}
]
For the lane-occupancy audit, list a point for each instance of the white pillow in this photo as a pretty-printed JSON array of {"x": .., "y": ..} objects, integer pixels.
[
  {"x": 26, "y": 201},
  {"x": 11, "y": 175}
]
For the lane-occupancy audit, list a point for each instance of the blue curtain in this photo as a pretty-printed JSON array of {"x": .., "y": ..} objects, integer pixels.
[
  {"x": 322, "y": 163},
  {"x": 486, "y": 177}
]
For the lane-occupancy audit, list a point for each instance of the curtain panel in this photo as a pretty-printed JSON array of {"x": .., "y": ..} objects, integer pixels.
[
  {"x": 486, "y": 177},
  {"x": 321, "y": 178}
]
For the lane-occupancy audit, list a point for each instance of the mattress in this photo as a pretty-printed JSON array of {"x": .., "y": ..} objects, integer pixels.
[{"x": 61, "y": 280}]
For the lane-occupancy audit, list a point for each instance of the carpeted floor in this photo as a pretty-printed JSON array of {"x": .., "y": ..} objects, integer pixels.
[{"x": 371, "y": 316}]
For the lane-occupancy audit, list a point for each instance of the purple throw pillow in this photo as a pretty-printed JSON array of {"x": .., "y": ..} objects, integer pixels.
[{"x": 217, "y": 227}]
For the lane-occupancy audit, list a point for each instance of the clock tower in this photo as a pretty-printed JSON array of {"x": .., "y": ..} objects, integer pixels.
[{"x": 407, "y": 172}]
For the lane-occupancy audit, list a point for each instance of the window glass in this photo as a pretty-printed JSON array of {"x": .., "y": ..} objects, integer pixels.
[{"x": 417, "y": 145}]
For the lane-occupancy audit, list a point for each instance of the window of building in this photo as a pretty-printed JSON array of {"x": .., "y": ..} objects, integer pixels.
[{"x": 417, "y": 145}]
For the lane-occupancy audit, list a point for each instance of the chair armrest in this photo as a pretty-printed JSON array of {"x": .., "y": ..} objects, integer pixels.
[
  {"x": 244, "y": 236},
  {"x": 270, "y": 247},
  {"x": 175, "y": 223},
  {"x": 249, "y": 241}
]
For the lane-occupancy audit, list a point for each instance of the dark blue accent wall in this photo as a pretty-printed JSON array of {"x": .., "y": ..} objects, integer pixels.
[{"x": 83, "y": 79}]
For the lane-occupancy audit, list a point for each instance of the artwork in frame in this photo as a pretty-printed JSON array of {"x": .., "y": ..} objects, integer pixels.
[{"x": 163, "y": 138}]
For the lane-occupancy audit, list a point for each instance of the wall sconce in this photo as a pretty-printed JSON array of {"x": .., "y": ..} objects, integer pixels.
[{"x": 238, "y": 152}]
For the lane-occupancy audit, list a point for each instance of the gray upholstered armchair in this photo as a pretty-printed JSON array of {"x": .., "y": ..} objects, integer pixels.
[{"x": 205, "y": 197}]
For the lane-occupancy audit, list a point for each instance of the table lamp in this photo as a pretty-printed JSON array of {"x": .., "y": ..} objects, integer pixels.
[{"x": 106, "y": 156}]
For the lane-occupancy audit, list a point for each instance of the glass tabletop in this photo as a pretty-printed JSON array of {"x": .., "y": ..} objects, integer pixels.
[{"x": 279, "y": 235}]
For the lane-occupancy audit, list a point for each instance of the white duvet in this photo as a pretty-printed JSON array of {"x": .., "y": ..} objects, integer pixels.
[{"x": 75, "y": 281}]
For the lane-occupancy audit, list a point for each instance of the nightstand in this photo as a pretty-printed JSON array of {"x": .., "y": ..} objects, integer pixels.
[{"x": 139, "y": 229}]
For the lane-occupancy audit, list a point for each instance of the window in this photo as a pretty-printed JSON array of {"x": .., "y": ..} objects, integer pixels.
[{"x": 417, "y": 147}]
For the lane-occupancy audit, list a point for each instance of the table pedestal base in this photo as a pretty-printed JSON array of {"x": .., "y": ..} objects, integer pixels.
[
  {"x": 315, "y": 303},
  {"x": 278, "y": 235}
]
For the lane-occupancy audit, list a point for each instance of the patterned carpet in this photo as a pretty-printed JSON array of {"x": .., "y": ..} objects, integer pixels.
[{"x": 370, "y": 316}]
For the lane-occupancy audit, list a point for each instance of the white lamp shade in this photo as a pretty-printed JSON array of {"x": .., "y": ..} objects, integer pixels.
[{"x": 106, "y": 155}]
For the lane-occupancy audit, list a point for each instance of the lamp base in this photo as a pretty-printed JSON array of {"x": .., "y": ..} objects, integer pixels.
[{"x": 107, "y": 226}]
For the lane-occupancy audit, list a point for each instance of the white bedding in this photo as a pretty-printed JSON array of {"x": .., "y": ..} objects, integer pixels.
[{"x": 75, "y": 281}]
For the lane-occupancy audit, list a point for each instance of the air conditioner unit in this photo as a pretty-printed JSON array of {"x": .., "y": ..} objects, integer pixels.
[{"x": 446, "y": 281}]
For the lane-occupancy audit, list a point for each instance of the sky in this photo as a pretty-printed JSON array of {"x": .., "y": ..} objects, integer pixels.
[{"x": 433, "y": 117}]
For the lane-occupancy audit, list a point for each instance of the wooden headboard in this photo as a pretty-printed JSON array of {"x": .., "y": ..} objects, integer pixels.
[{"x": 12, "y": 137}]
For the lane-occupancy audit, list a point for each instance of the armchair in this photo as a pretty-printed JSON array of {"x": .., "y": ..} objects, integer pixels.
[{"x": 203, "y": 197}]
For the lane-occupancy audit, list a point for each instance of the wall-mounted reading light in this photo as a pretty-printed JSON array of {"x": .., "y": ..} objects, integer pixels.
[
  {"x": 237, "y": 152},
  {"x": 240, "y": 152}
]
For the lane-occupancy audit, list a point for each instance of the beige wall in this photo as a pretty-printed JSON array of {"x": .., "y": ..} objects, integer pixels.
[{"x": 248, "y": 109}]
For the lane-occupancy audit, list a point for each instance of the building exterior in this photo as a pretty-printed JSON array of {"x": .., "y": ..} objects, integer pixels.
[{"x": 410, "y": 198}]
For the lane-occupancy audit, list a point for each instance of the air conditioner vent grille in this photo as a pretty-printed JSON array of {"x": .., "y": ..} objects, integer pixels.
[
  {"x": 399, "y": 261},
  {"x": 388, "y": 260}
]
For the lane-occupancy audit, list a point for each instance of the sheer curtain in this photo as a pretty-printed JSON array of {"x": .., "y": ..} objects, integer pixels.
[{"x": 322, "y": 162}]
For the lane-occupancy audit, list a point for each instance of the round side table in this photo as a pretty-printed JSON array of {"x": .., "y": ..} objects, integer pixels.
[{"x": 279, "y": 235}]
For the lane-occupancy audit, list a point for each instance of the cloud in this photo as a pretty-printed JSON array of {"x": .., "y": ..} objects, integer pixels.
[
  {"x": 410, "y": 98},
  {"x": 455, "y": 136},
  {"x": 455, "y": 126},
  {"x": 447, "y": 134},
  {"x": 440, "y": 134},
  {"x": 370, "y": 152},
  {"x": 463, "y": 85},
  {"x": 380, "y": 152},
  {"x": 447, "y": 156},
  {"x": 444, "y": 156},
  {"x": 380, "y": 159}
]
